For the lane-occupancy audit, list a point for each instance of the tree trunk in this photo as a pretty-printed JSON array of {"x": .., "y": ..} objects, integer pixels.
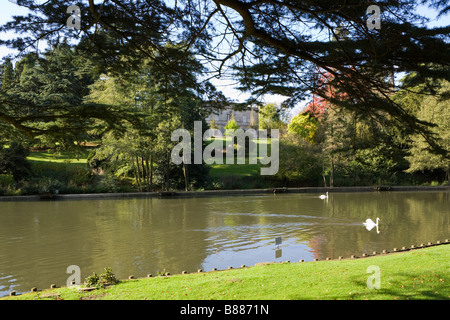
[
  {"x": 186, "y": 177},
  {"x": 138, "y": 179},
  {"x": 168, "y": 174},
  {"x": 151, "y": 172},
  {"x": 332, "y": 173},
  {"x": 448, "y": 175},
  {"x": 144, "y": 174}
]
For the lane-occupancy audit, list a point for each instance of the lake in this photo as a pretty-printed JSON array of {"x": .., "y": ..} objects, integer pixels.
[{"x": 138, "y": 236}]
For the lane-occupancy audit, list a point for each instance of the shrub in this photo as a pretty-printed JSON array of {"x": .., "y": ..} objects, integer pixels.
[
  {"x": 300, "y": 162},
  {"x": 30, "y": 187},
  {"x": 66, "y": 178},
  {"x": 13, "y": 160},
  {"x": 6, "y": 180},
  {"x": 231, "y": 125},
  {"x": 92, "y": 280},
  {"x": 63, "y": 172},
  {"x": 49, "y": 185},
  {"x": 107, "y": 277},
  {"x": 108, "y": 183}
]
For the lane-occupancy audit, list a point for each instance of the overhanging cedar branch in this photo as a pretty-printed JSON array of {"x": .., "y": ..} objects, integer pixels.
[
  {"x": 87, "y": 112},
  {"x": 365, "y": 85},
  {"x": 255, "y": 26},
  {"x": 251, "y": 30}
]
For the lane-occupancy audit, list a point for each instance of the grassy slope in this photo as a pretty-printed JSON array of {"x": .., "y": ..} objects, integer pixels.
[
  {"x": 217, "y": 170},
  {"x": 222, "y": 170},
  {"x": 63, "y": 157},
  {"x": 416, "y": 274}
]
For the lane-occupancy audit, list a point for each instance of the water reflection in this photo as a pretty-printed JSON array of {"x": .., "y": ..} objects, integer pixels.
[{"x": 39, "y": 240}]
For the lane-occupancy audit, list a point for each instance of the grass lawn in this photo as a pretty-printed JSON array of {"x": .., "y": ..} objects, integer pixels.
[
  {"x": 243, "y": 170},
  {"x": 221, "y": 170},
  {"x": 216, "y": 170},
  {"x": 62, "y": 157},
  {"x": 416, "y": 274}
]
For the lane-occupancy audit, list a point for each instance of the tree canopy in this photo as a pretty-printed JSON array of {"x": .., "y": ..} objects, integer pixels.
[
  {"x": 270, "y": 46},
  {"x": 45, "y": 97}
]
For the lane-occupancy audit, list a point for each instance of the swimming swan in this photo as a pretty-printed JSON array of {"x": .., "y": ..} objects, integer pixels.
[
  {"x": 322, "y": 196},
  {"x": 370, "y": 224}
]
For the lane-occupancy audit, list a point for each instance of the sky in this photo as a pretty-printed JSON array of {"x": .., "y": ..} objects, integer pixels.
[{"x": 8, "y": 9}]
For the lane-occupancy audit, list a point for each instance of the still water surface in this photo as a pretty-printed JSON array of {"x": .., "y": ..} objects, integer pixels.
[{"x": 39, "y": 240}]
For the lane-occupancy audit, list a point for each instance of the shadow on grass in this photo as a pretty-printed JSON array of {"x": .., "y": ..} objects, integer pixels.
[{"x": 402, "y": 288}]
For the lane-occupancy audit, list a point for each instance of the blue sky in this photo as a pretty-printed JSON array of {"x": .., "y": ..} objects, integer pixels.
[{"x": 9, "y": 9}]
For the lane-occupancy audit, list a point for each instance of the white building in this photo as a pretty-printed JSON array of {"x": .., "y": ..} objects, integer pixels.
[{"x": 245, "y": 119}]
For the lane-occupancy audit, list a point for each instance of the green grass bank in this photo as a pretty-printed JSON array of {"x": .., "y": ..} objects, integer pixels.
[{"x": 419, "y": 274}]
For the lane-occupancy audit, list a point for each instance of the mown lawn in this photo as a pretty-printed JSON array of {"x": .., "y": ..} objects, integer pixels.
[
  {"x": 62, "y": 157},
  {"x": 235, "y": 169},
  {"x": 417, "y": 274},
  {"x": 222, "y": 170},
  {"x": 216, "y": 170}
]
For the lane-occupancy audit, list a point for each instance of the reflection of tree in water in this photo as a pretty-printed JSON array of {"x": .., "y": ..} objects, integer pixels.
[
  {"x": 332, "y": 228},
  {"x": 406, "y": 218},
  {"x": 159, "y": 234}
]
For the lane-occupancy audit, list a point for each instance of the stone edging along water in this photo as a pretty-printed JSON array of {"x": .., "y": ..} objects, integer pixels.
[
  {"x": 352, "y": 257},
  {"x": 167, "y": 194}
]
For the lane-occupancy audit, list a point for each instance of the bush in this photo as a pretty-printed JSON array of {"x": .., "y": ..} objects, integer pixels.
[
  {"x": 231, "y": 125},
  {"x": 106, "y": 277},
  {"x": 6, "y": 180},
  {"x": 49, "y": 185},
  {"x": 41, "y": 185},
  {"x": 108, "y": 183},
  {"x": 13, "y": 160},
  {"x": 233, "y": 181},
  {"x": 65, "y": 177},
  {"x": 30, "y": 187},
  {"x": 300, "y": 162},
  {"x": 79, "y": 175},
  {"x": 92, "y": 280}
]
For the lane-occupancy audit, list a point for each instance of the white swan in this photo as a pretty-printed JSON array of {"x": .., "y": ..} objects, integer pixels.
[
  {"x": 322, "y": 196},
  {"x": 370, "y": 224}
]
